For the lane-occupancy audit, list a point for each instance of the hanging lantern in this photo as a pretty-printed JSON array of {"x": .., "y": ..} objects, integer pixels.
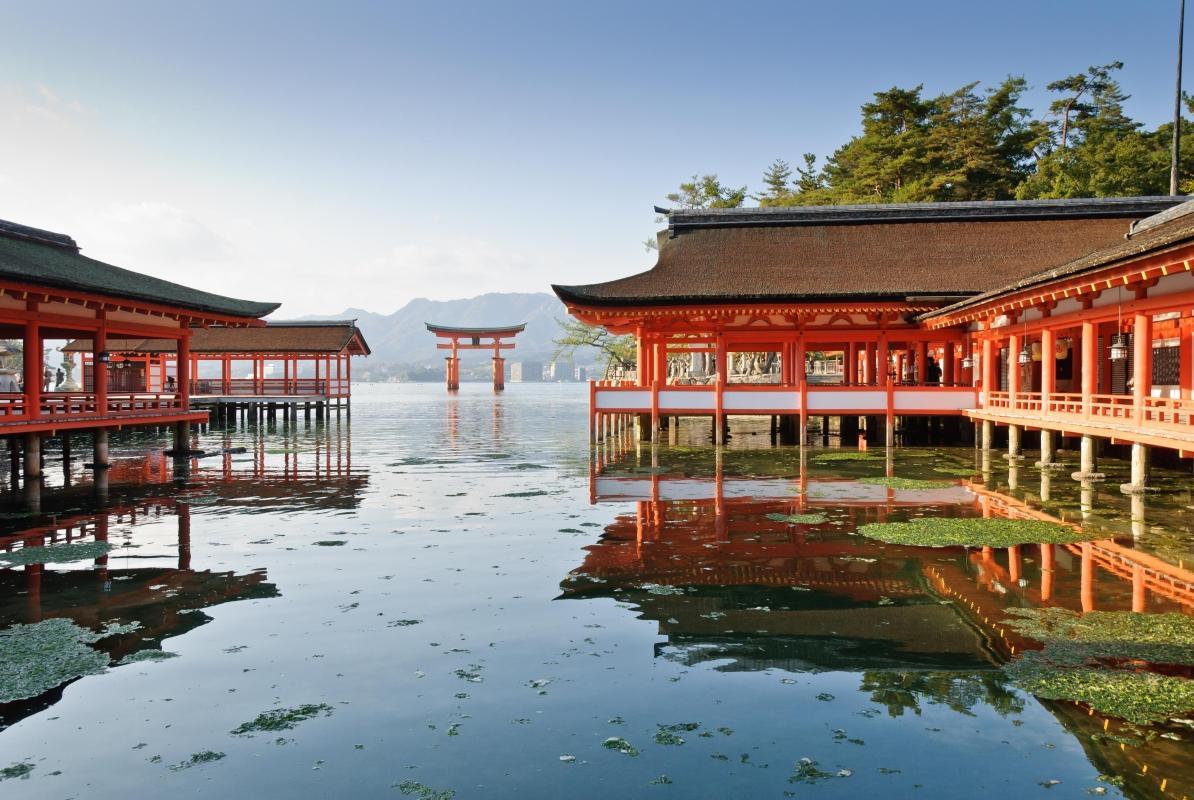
[
  {"x": 1063, "y": 349},
  {"x": 1036, "y": 351},
  {"x": 1024, "y": 357},
  {"x": 1119, "y": 347},
  {"x": 967, "y": 361}
]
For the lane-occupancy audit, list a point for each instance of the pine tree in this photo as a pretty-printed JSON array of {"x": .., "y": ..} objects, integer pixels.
[
  {"x": 706, "y": 191},
  {"x": 889, "y": 157},
  {"x": 776, "y": 178}
]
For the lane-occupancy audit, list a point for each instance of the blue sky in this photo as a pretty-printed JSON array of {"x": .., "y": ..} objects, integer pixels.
[{"x": 340, "y": 154}]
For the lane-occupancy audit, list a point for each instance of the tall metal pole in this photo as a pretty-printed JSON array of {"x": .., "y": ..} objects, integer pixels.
[{"x": 1177, "y": 104}]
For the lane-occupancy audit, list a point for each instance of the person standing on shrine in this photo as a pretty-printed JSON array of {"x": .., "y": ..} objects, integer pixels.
[{"x": 932, "y": 372}]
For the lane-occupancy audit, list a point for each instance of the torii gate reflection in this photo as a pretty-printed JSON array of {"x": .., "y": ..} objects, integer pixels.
[{"x": 457, "y": 339}]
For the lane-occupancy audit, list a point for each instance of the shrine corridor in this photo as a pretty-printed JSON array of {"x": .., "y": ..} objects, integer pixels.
[{"x": 455, "y": 595}]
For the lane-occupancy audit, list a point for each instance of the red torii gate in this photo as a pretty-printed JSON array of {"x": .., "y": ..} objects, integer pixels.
[{"x": 458, "y": 339}]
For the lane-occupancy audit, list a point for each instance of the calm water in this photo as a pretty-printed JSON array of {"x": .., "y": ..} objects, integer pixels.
[{"x": 469, "y": 609}]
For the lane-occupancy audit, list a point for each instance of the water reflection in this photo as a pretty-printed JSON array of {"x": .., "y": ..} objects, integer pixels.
[
  {"x": 146, "y": 579},
  {"x": 749, "y": 573},
  {"x": 153, "y": 513}
]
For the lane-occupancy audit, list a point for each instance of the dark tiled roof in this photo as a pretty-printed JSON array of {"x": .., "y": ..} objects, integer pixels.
[
  {"x": 990, "y": 210},
  {"x": 854, "y": 252},
  {"x": 48, "y": 259},
  {"x": 328, "y": 337},
  {"x": 1160, "y": 232},
  {"x": 507, "y": 330}
]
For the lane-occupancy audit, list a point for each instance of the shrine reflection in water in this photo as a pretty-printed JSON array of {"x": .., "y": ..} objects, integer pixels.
[
  {"x": 461, "y": 604},
  {"x": 747, "y": 573},
  {"x": 140, "y": 517}
]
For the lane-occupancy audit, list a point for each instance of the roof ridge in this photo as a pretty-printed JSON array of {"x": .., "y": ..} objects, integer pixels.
[
  {"x": 680, "y": 220},
  {"x": 14, "y": 230},
  {"x": 1168, "y": 215}
]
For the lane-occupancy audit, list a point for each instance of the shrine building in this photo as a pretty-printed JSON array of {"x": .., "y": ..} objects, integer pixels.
[{"x": 883, "y": 315}]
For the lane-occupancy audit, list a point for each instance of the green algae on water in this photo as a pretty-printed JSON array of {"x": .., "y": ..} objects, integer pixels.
[
  {"x": 204, "y": 757},
  {"x": 55, "y": 554},
  {"x": 846, "y": 455},
  {"x": 147, "y": 655},
  {"x": 1108, "y": 635},
  {"x": 670, "y": 734},
  {"x": 808, "y": 771},
  {"x": 18, "y": 770},
  {"x": 961, "y": 472},
  {"x": 1101, "y": 658},
  {"x": 906, "y": 483},
  {"x": 972, "y": 532},
  {"x": 38, "y": 657},
  {"x": 798, "y": 519},
  {"x": 423, "y": 791},
  {"x": 282, "y": 719},
  {"x": 1138, "y": 697},
  {"x": 621, "y": 745}
]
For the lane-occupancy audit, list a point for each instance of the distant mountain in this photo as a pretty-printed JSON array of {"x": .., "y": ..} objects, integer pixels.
[{"x": 401, "y": 339}]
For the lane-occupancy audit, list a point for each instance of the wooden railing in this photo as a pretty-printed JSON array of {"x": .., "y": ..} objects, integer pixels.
[
  {"x": 63, "y": 406},
  {"x": 1123, "y": 410},
  {"x": 778, "y": 398},
  {"x": 249, "y": 387}
]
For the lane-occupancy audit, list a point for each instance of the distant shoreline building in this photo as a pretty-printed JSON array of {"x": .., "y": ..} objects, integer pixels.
[{"x": 526, "y": 372}]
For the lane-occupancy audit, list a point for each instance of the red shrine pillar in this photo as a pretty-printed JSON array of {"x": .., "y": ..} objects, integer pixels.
[
  {"x": 452, "y": 368},
  {"x": 1142, "y": 362},
  {"x": 1089, "y": 365},
  {"x": 99, "y": 368},
  {"x": 31, "y": 348},
  {"x": 499, "y": 367},
  {"x": 1014, "y": 370},
  {"x": 182, "y": 430},
  {"x": 1048, "y": 367}
]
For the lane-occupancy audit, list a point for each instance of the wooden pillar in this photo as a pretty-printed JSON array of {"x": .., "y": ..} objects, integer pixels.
[
  {"x": 1185, "y": 359},
  {"x": 719, "y": 389},
  {"x": 640, "y": 357},
  {"x": 99, "y": 449},
  {"x": 32, "y": 457},
  {"x": 99, "y": 367},
  {"x": 1142, "y": 362},
  {"x": 1048, "y": 368},
  {"x": 922, "y": 362},
  {"x": 1014, "y": 370},
  {"x": 947, "y": 368},
  {"x": 184, "y": 370},
  {"x": 1048, "y": 446},
  {"x": 658, "y": 381},
  {"x": 33, "y": 366},
  {"x": 453, "y": 373},
  {"x": 801, "y": 381},
  {"x": 987, "y": 369},
  {"x": 851, "y": 363},
  {"x": 1089, "y": 365},
  {"x": 499, "y": 373}
]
